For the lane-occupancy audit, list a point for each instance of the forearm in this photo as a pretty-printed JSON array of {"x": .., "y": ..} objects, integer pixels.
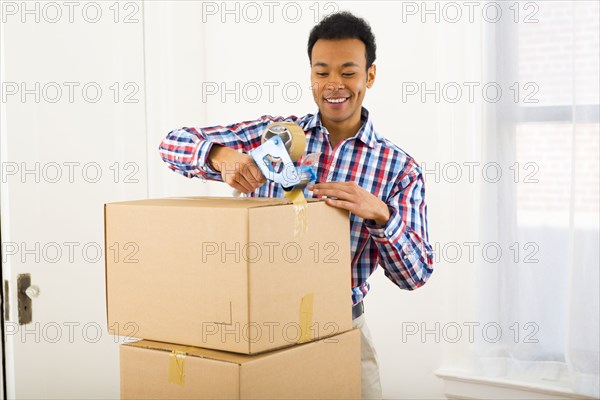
[{"x": 219, "y": 156}]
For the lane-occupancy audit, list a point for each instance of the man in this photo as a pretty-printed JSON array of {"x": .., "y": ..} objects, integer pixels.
[{"x": 360, "y": 171}]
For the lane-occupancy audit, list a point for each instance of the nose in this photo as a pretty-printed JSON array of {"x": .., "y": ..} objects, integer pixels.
[{"x": 335, "y": 85}]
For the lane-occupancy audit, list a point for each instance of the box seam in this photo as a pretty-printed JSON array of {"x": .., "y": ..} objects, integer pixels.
[
  {"x": 154, "y": 348},
  {"x": 287, "y": 203},
  {"x": 240, "y": 381},
  {"x": 106, "y": 270},
  {"x": 249, "y": 347}
]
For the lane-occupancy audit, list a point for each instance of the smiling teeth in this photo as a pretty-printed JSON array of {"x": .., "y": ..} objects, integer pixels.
[{"x": 340, "y": 100}]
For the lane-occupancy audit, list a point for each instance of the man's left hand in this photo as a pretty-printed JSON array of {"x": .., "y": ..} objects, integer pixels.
[{"x": 350, "y": 196}]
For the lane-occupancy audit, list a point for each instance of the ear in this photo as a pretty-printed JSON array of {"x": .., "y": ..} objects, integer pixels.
[{"x": 371, "y": 75}]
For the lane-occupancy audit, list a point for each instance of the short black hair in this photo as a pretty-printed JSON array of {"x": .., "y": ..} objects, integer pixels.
[{"x": 344, "y": 25}]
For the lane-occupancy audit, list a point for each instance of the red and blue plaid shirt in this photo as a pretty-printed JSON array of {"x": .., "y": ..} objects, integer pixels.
[{"x": 401, "y": 246}]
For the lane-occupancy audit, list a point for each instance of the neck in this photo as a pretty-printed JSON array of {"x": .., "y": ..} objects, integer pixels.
[{"x": 338, "y": 131}]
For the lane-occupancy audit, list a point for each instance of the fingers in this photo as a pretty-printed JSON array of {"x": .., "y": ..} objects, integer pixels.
[
  {"x": 255, "y": 173},
  {"x": 243, "y": 174},
  {"x": 344, "y": 194},
  {"x": 350, "y": 196},
  {"x": 336, "y": 189},
  {"x": 339, "y": 190},
  {"x": 338, "y": 194},
  {"x": 238, "y": 187},
  {"x": 346, "y": 205},
  {"x": 249, "y": 183},
  {"x": 250, "y": 176}
]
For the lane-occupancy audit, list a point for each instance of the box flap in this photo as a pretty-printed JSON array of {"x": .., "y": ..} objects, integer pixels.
[
  {"x": 225, "y": 356},
  {"x": 193, "y": 351}
]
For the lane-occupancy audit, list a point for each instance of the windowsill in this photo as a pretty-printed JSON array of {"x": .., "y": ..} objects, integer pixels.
[{"x": 460, "y": 385}]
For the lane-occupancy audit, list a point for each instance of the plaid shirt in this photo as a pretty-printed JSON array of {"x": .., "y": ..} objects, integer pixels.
[{"x": 400, "y": 246}]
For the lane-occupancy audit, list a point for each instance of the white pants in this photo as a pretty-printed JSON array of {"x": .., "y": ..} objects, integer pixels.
[{"x": 370, "y": 384}]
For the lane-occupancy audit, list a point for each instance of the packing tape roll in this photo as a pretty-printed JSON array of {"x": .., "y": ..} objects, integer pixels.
[
  {"x": 295, "y": 143},
  {"x": 177, "y": 367},
  {"x": 306, "y": 316}
]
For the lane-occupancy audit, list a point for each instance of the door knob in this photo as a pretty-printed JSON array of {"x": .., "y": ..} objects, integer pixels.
[{"x": 32, "y": 291}]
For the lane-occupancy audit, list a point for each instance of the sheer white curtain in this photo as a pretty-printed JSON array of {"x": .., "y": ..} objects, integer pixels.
[{"x": 539, "y": 296}]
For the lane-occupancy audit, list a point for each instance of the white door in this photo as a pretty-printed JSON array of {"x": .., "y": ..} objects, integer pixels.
[{"x": 73, "y": 138}]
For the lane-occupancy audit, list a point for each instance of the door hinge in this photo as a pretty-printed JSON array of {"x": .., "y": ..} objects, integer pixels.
[{"x": 6, "y": 301}]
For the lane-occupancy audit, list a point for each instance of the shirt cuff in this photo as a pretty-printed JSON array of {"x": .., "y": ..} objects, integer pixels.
[
  {"x": 203, "y": 151},
  {"x": 391, "y": 231}
]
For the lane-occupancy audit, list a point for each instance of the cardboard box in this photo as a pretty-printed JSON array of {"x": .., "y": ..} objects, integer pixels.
[
  {"x": 325, "y": 369},
  {"x": 225, "y": 273}
]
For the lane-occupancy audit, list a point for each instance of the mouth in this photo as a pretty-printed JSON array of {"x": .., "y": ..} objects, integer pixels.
[{"x": 336, "y": 100}]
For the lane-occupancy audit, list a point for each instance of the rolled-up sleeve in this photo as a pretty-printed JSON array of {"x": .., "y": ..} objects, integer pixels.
[
  {"x": 405, "y": 253},
  {"x": 186, "y": 150}
]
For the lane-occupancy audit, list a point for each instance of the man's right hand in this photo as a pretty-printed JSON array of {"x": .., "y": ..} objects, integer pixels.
[{"x": 238, "y": 170}]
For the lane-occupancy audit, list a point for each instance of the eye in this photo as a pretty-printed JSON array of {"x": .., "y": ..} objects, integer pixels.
[
  {"x": 348, "y": 74},
  {"x": 322, "y": 74}
]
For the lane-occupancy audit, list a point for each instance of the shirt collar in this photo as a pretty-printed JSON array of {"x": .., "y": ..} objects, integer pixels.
[{"x": 365, "y": 134}]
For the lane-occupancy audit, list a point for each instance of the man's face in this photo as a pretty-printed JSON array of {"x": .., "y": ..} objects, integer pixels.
[{"x": 339, "y": 78}]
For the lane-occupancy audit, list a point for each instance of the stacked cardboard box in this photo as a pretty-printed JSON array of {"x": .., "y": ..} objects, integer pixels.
[{"x": 233, "y": 301}]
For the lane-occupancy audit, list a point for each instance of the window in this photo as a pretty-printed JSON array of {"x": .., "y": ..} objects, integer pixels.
[{"x": 544, "y": 292}]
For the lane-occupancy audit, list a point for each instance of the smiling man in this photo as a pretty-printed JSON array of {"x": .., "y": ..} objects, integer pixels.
[{"x": 359, "y": 170}]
